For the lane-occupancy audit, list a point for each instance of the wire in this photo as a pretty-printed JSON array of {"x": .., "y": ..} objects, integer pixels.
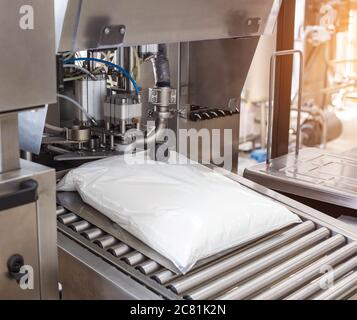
[
  {"x": 84, "y": 70},
  {"x": 75, "y": 103},
  {"x": 123, "y": 71}
]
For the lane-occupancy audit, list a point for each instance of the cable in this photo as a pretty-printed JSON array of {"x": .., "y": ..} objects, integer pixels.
[
  {"x": 109, "y": 64},
  {"x": 90, "y": 117},
  {"x": 84, "y": 70}
]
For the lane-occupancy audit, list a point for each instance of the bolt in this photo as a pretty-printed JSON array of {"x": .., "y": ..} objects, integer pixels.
[{"x": 107, "y": 30}]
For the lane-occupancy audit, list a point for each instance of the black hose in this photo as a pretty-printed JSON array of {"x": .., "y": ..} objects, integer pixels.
[{"x": 161, "y": 67}]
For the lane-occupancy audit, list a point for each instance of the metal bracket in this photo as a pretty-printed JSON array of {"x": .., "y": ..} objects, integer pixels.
[
  {"x": 271, "y": 99},
  {"x": 111, "y": 36}
]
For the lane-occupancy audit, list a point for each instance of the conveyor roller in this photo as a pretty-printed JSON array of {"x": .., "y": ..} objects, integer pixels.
[
  {"x": 216, "y": 269},
  {"x": 285, "y": 265},
  {"x": 315, "y": 286}
]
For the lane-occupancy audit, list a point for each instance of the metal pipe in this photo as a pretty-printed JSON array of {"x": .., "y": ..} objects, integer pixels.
[
  {"x": 308, "y": 274},
  {"x": 271, "y": 94},
  {"x": 340, "y": 289},
  {"x": 182, "y": 285},
  {"x": 230, "y": 279},
  {"x": 152, "y": 138},
  {"x": 112, "y": 142},
  {"x": 179, "y": 76},
  {"x": 123, "y": 127},
  {"x": 57, "y": 149},
  {"x": 288, "y": 267},
  {"x": 315, "y": 286},
  {"x": 161, "y": 127},
  {"x": 54, "y": 128},
  {"x": 127, "y": 63}
]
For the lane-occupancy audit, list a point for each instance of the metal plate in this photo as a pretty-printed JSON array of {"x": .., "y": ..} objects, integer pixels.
[
  {"x": 185, "y": 20},
  {"x": 14, "y": 224},
  {"x": 27, "y": 56},
  {"x": 45, "y": 222},
  {"x": 314, "y": 174},
  {"x": 31, "y": 127},
  {"x": 204, "y": 60}
]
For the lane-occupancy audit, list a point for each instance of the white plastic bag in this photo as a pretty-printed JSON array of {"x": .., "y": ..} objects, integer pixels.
[{"x": 186, "y": 212}]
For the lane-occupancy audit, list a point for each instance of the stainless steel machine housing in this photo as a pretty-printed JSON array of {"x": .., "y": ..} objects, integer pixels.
[
  {"x": 29, "y": 230},
  {"x": 27, "y": 82}
]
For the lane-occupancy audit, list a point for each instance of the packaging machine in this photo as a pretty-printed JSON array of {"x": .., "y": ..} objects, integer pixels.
[
  {"x": 128, "y": 71},
  {"x": 197, "y": 100}
]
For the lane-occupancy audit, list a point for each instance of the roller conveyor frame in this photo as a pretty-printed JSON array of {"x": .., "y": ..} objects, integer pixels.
[{"x": 282, "y": 266}]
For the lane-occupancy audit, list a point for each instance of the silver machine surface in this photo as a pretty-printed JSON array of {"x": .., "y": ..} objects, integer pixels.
[
  {"x": 28, "y": 255},
  {"x": 191, "y": 59},
  {"x": 313, "y": 174},
  {"x": 80, "y": 23},
  {"x": 28, "y": 229}
]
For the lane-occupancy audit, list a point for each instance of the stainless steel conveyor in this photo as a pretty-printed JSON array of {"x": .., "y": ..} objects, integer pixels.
[{"x": 286, "y": 265}]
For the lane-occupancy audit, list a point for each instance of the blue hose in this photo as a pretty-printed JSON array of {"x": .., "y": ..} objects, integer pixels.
[{"x": 123, "y": 71}]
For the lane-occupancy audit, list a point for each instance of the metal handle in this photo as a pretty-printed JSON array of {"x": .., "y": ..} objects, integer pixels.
[
  {"x": 271, "y": 99},
  {"x": 27, "y": 193}
]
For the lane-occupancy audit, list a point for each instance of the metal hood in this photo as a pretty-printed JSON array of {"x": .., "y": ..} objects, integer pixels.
[{"x": 91, "y": 24}]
